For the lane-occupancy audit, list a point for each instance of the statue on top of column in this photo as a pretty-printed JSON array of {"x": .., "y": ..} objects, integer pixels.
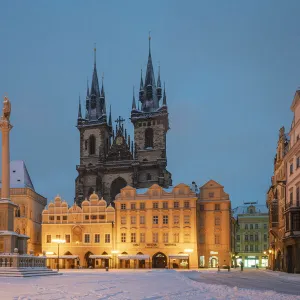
[{"x": 6, "y": 109}]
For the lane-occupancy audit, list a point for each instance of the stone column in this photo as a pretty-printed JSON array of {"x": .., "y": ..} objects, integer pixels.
[{"x": 5, "y": 127}]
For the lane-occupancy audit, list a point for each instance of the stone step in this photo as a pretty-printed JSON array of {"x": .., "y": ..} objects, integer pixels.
[{"x": 27, "y": 272}]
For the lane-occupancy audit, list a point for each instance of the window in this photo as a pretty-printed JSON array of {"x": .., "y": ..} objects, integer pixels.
[
  {"x": 291, "y": 169},
  {"x": 265, "y": 226},
  {"x": 251, "y": 226},
  {"x": 217, "y": 239},
  {"x": 142, "y": 205},
  {"x": 297, "y": 196},
  {"x": 65, "y": 218},
  {"x": 256, "y": 226},
  {"x": 132, "y": 206},
  {"x": 92, "y": 144},
  {"x": 251, "y": 248},
  {"x": 238, "y": 247},
  {"x": 123, "y": 220},
  {"x": 217, "y": 221},
  {"x": 86, "y": 217},
  {"x": 165, "y": 205},
  {"x": 166, "y": 237},
  {"x": 238, "y": 237},
  {"x": 202, "y": 239},
  {"x": 298, "y": 161},
  {"x": 165, "y": 219},
  {"x": 201, "y": 207},
  {"x": 296, "y": 222},
  {"x": 256, "y": 237},
  {"x": 133, "y": 219},
  {"x": 246, "y": 226},
  {"x": 211, "y": 195},
  {"x": 155, "y": 219},
  {"x": 251, "y": 237},
  {"x": 123, "y": 237},
  {"x": 107, "y": 238},
  {"x": 133, "y": 237},
  {"x": 97, "y": 238},
  {"x": 256, "y": 248},
  {"x": 142, "y": 219},
  {"x": 155, "y": 204},
  {"x": 265, "y": 237},
  {"x": 149, "y": 138},
  {"x": 265, "y": 247},
  {"x": 155, "y": 237},
  {"x": 93, "y": 217},
  {"x": 142, "y": 237},
  {"x": 123, "y": 206},
  {"x": 246, "y": 237},
  {"x": 48, "y": 239},
  {"x": 176, "y": 204},
  {"x": 67, "y": 238},
  {"x": 176, "y": 220},
  {"x": 291, "y": 198},
  {"x": 186, "y": 219},
  {"x": 246, "y": 248},
  {"x": 51, "y": 218},
  {"x": 186, "y": 238},
  {"x": 86, "y": 238},
  {"x": 148, "y": 176},
  {"x": 217, "y": 206},
  {"x": 176, "y": 237},
  {"x": 58, "y": 236},
  {"x": 58, "y": 218},
  {"x": 186, "y": 204}
]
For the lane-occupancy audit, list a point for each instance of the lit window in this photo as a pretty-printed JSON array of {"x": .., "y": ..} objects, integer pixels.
[
  {"x": 123, "y": 206},
  {"x": 133, "y": 237},
  {"x": 86, "y": 238},
  {"x": 123, "y": 237},
  {"x": 155, "y": 237},
  {"x": 107, "y": 238},
  {"x": 67, "y": 238},
  {"x": 48, "y": 239},
  {"x": 155, "y": 219},
  {"x": 97, "y": 238},
  {"x": 176, "y": 220}
]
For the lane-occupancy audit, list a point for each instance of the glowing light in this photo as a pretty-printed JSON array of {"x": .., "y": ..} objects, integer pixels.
[
  {"x": 58, "y": 241},
  {"x": 115, "y": 251},
  {"x": 188, "y": 250}
]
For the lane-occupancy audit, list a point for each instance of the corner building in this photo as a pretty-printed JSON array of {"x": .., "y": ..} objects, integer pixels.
[
  {"x": 156, "y": 227},
  {"x": 109, "y": 159}
]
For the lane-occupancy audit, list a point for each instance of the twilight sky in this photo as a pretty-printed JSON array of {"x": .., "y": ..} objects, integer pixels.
[{"x": 231, "y": 70}]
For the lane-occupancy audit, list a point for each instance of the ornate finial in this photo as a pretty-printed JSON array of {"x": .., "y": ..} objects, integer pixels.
[
  {"x": 149, "y": 42},
  {"x": 95, "y": 54}
]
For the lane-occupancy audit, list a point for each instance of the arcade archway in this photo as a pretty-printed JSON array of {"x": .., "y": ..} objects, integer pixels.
[{"x": 159, "y": 260}]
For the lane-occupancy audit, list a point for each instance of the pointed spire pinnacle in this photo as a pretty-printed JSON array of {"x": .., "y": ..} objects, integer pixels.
[
  {"x": 149, "y": 43},
  {"x": 165, "y": 97},
  {"x": 87, "y": 87},
  {"x": 158, "y": 78},
  {"x": 95, "y": 83},
  {"x": 133, "y": 100},
  {"x": 141, "y": 83},
  {"x": 79, "y": 109},
  {"x": 104, "y": 108},
  {"x": 109, "y": 119},
  {"x": 149, "y": 79},
  {"x": 102, "y": 87},
  {"x": 95, "y": 54}
]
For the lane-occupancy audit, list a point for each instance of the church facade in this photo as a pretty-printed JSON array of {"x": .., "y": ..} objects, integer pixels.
[{"x": 109, "y": 160}]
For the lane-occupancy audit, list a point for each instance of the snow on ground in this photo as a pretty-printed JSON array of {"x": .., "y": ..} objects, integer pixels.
[{"x": 123, "y": 285}]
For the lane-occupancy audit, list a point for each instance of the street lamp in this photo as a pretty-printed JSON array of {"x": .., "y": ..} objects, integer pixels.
[
  {"x": 115, "y": 252},
  {"x": 58, "y": 242}
]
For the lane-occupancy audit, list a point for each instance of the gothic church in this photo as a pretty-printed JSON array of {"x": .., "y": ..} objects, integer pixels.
[{"x": 109, "y": 160}]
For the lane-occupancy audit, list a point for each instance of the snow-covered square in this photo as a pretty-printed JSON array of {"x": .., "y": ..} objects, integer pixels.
[{"x": 129, "y": 285}]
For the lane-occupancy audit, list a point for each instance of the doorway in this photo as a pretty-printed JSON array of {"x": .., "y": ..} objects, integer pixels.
[
  {"x": 159, "y": 260},
  {"x": 213, "y": 262}
]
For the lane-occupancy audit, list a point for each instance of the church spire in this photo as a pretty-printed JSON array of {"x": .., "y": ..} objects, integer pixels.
[
  {"x": 165, "y": 97},
  {"x": 149, "y": 79},
  {"x": 87, "y": 88},
  {"x": 79, "y": 109},
  {"x": 158, "y": 89},
  {"x": 109, "y": 119},
  {"x": 133, "y": 100},
  {"x": 95, "y": 83}
]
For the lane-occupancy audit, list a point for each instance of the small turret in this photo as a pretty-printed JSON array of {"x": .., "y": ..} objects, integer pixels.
[
  {"x": 133, "y": 101},
  {"x": 79, "y": 110},
  {"x": 141, "y": 93},
  {"x": 158, "y": 89},
  {"x": 109, "y": 119},
  {"x": 165, "y": 97}
]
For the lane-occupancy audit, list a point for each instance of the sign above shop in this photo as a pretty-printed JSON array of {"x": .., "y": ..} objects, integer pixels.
[{"x": 214, "y": 252}]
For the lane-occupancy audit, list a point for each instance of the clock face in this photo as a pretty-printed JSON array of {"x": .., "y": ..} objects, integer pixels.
[{"x": 119, "y": 140}]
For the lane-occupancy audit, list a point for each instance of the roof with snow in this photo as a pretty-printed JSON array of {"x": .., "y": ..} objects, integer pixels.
[{"x": 19, "y": 176}]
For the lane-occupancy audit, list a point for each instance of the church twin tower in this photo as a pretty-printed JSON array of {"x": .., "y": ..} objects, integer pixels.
[{"x": 109, "y": 160}]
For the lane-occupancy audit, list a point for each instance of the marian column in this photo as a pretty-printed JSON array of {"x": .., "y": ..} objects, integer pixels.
[{"x": 5, "y": 127}]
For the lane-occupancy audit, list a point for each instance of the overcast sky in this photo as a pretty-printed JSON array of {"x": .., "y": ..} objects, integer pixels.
[{"x": 231, "y": 70}]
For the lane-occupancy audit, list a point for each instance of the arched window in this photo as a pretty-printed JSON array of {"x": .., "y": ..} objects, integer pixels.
[
  {"x": 92, "y": 144},
  {"x": 149, "y": 138},
  {"x": 18, "y": 214}
]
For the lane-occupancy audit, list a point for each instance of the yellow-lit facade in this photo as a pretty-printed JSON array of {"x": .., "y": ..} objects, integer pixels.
[
  {"x": 214, "y": 226},
  {"x": 86, "y": 233},
  {"x": 157, "y": 224}
]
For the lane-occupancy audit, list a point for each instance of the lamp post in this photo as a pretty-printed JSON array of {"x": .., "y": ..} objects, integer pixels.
[
  {"x": 114, "y": 253},
  {"x": 58, "y": 242}
]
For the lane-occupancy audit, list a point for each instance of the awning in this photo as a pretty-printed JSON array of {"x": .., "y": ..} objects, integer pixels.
[
  {"x": 138, "y": 257},
  {"x": 100, "y": 256},
  {"x": 63, "y": 256},
  {"x": 179, "y": 256}
]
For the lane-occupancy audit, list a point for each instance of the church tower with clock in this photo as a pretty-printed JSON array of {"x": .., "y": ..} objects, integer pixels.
[{"x": 109, "y": 160}]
